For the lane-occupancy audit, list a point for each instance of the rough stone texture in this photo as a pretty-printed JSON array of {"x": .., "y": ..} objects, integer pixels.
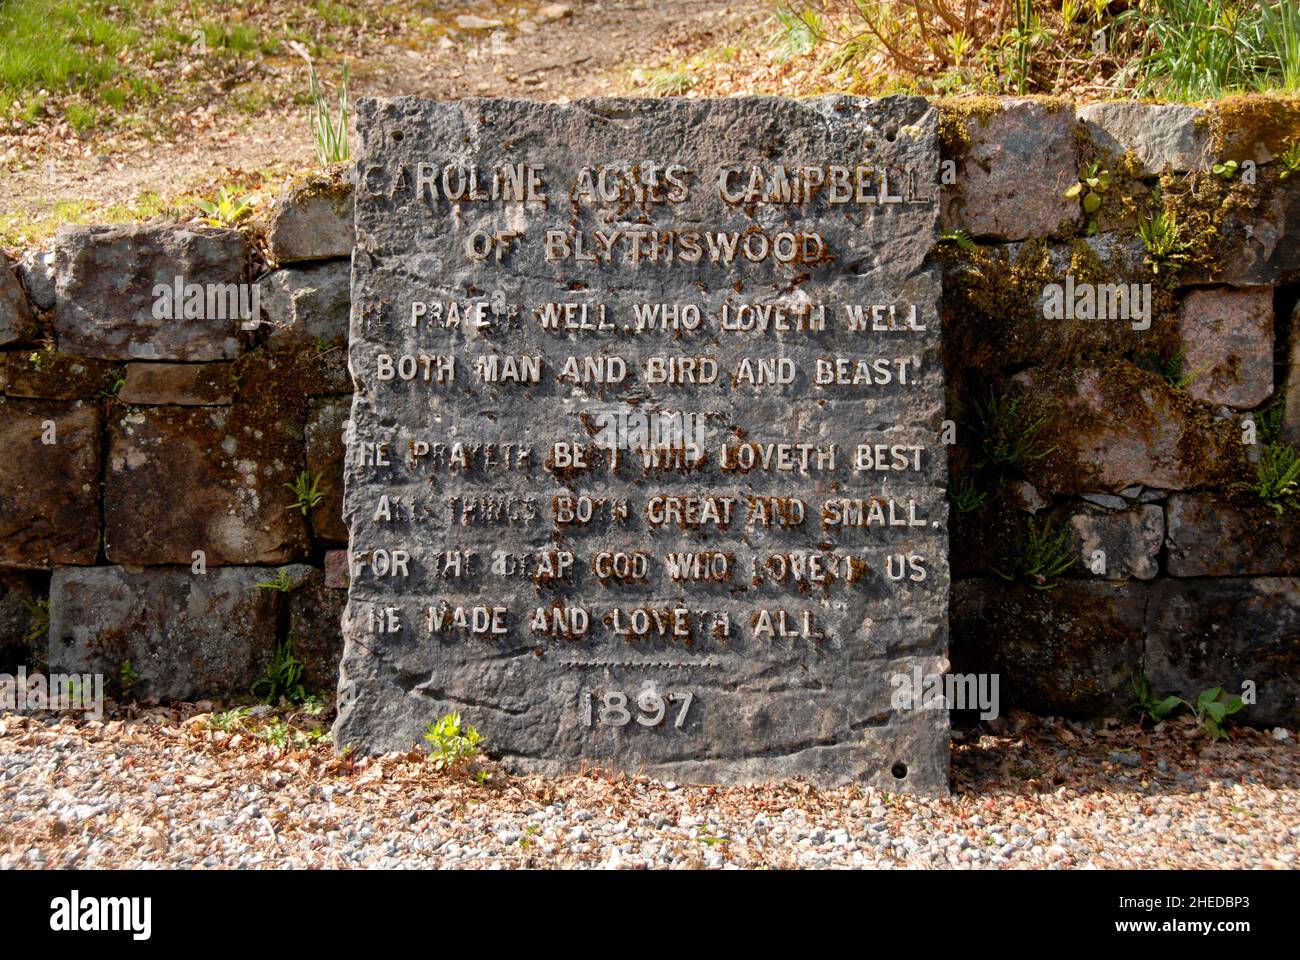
[
  {"x": 336, "y": 569},
  {"x": 1130, "y": 539},
  {"x": 316, "y": 625},
  {"x": 324, "y": 438},
  {"x": 1212, "y": 536},
  {"x": 1163, "y": 136},
  {"x": 307, "y": 309},
  {"x": 20, "y": 594},
  {"x": 183, "y": 384},
  {"x": 1220, "y": 632},
  {"x": 1069, "y": 650},
  {"x": 36, "y": 271},
  {"x": 1013, "y": 172},
  {"x": 60, "y": 376},
  {"x": 1117, "y": 427},
  {"x": 186, "y": 635},
  {"x": 761, "y": 708},
  {"x": 312, "y": 222},
  {"x": 1291, "y": 413},
  {"x": 1227, "y": 336},
  {"x": 181, "y": 479},
  {"x": 308, "y": 305},
  {"x": 105, "y": 281},
  {"x": 15, "y": 311},
  {"x": 49, "y": 493},
  {"x": 994, "y": 300}
]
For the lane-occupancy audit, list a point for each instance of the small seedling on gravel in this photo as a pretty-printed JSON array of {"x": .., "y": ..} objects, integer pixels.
[
  {"x": 451, "y": 742},
  {"x": 1212, "y": 708},
  {"x": 228, "y": 721},
  {"x": 1157, "y": 710},
  {"x": 307, "y": 492}
]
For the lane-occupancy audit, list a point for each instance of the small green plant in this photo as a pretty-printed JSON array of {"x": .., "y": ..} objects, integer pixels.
[
  {"x": 283, "y": 677},
  {"x": 959, "y": 237},
  {"x": 38, "y": 613},
  {"x": 1153, "y": 707},
  {"x": 797, "y": 32},
  {"x": 228, "y": 208},
  {"x": 1169, "y": 367},
  {"x": 1094, "y": 180},
  {"x": 1211, "y": 709},
  {"x": 127, "y": 677},
  {"x": 228, "y": 721},
  {"x": 668, "y": 83},
  {"x": 451, "y": 742},
  {"x": 307, "y": 492},
  {"x": 1044, "y": 555},
  {"x": 281, "y": 583},
  {"x": 313, "y": 706},
  {"x": 1163, "y": 239},
  {"x": 329, "y": 135},
  {"x": 481, "y": 777},
  {"x": 1226, "y": 169},
  {"x": 965, "y": 497},
  {"x": 1289, "y": 161},
  {"x": 1277, "y": 477},
  {"x": 1009, "y": 434},
  {"x": 111, "y": 390}
]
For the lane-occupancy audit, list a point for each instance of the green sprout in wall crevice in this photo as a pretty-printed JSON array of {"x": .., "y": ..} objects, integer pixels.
[
  {"x": 965, "y": 496},
  {"x": 307, "y": 492},
  {"x": 1094, "y": 180},
  {"x": 281, "y": 583},
  {"x": 283, "y": 677},
  {"x": 1162, "y": 236},
  {"x": 1288, "y": 161},
  {"x": 1009, "y": 434},
  {"x": 1169, "y": 368},
  {"x": 1277, "y": 472},
  {"x": 1044, "y": 556}
]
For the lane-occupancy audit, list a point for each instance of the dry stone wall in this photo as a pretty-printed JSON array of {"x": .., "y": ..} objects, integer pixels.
[{"x": 137, "y": 441}]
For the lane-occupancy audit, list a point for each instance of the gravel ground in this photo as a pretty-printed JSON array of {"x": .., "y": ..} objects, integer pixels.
[{"x": 161, "y": 787}]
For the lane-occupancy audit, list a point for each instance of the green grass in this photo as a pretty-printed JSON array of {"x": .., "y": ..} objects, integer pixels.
[
  {"x": 60, "y": 45},
  {"x": 1197, "y": 49}
]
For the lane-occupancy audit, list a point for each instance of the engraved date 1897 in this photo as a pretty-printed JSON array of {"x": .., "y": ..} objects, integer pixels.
[{"x": 612, "y": 707}]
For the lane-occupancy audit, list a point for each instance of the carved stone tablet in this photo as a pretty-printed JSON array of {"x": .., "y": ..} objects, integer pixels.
[{"x": 644, "y": 466}]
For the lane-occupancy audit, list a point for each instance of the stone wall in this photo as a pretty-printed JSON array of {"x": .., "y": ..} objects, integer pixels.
[
  {"x": 1126, "y": 440},
  {"x": 147, "y": 489}
]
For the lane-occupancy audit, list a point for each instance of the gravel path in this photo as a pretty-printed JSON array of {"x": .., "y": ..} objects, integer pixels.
[{"x": 161, "y": 787}]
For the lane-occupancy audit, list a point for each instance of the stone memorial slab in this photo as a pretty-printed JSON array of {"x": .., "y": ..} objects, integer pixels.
[{"x": 644, "y": 467}]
